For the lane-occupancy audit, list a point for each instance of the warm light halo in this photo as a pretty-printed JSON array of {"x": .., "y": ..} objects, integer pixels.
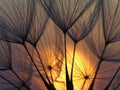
[{"x": 83, "y": 65}]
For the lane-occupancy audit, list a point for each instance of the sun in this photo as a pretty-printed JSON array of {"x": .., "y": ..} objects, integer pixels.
[{"x": 83, "y": 71}]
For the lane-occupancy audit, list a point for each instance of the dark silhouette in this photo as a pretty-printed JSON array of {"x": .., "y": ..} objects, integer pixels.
[{"x": 74, "y": 43}]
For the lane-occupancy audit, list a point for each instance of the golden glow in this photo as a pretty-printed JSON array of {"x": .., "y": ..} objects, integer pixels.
[
  {"x": 51, "y": 63},
  {"x": 83, "y": 71}
]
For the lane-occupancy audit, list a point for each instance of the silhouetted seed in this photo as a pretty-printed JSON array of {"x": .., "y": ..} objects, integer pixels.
[
  {"x": 86, "y": 77},
  {"x": 49, "y": 68}
]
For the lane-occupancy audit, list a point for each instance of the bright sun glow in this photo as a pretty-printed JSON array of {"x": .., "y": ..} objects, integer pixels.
[{"x": 83, "y": 71}]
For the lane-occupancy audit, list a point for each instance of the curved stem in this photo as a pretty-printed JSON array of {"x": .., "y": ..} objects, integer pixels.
[
  {"x": 46, "y": 84},
  {"x": 106, "y": 44},
  {"x": 98, "y": 67},
  {"x": 73, "y": 61},
  {"x": 92, "y": 84},
  {"x": 107, "y": 87},
  {"x": 21, "y": 80},
  {"x": 42, "y": 65},
  {"x": 9, "y": 82},
  {"x": 83, "y": 84}
]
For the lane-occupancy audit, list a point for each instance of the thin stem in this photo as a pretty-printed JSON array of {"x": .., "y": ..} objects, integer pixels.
[
  {"x": 46, "y": 84},
  {"x": 73, "y": 61},
  {"x": 9, "y": 82},
  {"x": 69, "y": 84},
  {"x": 67, "y": 76},
  {"x": 107, "y": 87},
  {"x": 92, "y": 84},
  {"x": 106, "y": 44},
  {"x": 98, "y": 67},
  {"x": 83, "y": 84},
  {"x": 42, "y": 65},
  {"x": 21, "y": 80},
  {"x": 51, "y": 75},
  {"x": 65, "y": 52}
]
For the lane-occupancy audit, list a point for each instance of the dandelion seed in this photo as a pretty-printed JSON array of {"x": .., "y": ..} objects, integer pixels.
[
  {"x": 38, "y": 25},
  {"x": 15, "y": 19}
]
